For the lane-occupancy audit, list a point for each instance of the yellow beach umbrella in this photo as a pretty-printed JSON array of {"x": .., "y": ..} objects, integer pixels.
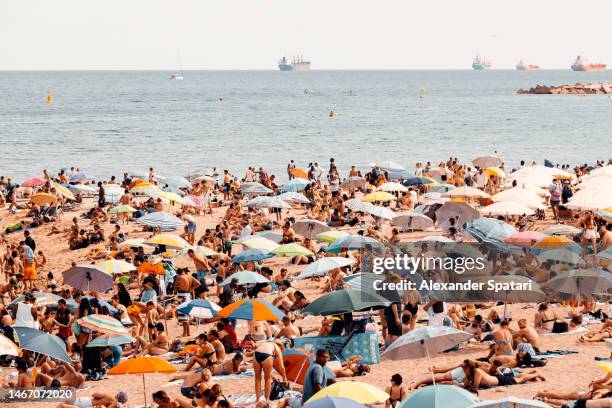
[
  {"x": 258, "y": 242},
  {"x": 64, "y": 191},
  {"x": 116, "y": 266},
  {"x": 169, "y": 196},
  {"x": 144, "y": 186},
  {"x": 606, "y": 366},
  {"x": 43, "y": 198},
  {"x": 357, "y": 391},
  {"x": 199, "y": 250},
  {"x": 494, "y": 172},
  {"x": 134, "y": 242},
  {"x": 553, "y": 242},
  {"x": 331, "y": 236},
  {"x": 291, "y": 250},
  {"x": 169, "y": 240},
  {"x": 379, "y": 196}
]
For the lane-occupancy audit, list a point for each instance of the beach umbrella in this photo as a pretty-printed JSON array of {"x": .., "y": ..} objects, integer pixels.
[
  {"x": 190, "y": 202},
  {"x": 142, "y": 365},
  {"x": 199, "y": 250},
  {"x": 251, "y": 309},
  {"x": 291, "y": 250},
  {"x": 167, "y": 196},
  {"x": 141, "y": 186},
  {"x": 379, "y": 196},
  {"x": 80, "y": 188},
  {"x": 138, "y": 181},
  {"x": 358, "y": 205},
  {"x": 297, "y": 364},
  {"x": 440, "y": 396},
  {"x": 392, "y": 187},
  {"x": 177, "y": 181},
  {"x": 298, "y": 172},
  {"x": 466, "y": 192},
  {"x": 40, "y": 299},
  {"x": 562, "y": 255},
  {"x": 88, "y": 277},
  {"x": 267, "y": 202},
  {"x": 345, "y": 301},
  {"x": 413, "y": 221},
  {"x": 511, "y": 402},
  {"x": 494, "y": 172},
  {"x": 331, "y": 236},
  {"x": 8, "y": 347},
  {"x": 354, "y": 182},
  {"x": 64, "y": 192},
  {"x": 205, "y": 179},
  {"x": 388, "y": 165},
  {"x": 352, "y": 242},
  {"x": 488, "y": 229},
  {"x": 554, "y": 242},
  {"x": 154, "y": 267},
  {"x": 424, "y": 341},
  {"x": 561, "y": 229},
  {"x": 168, "y": 240},
  {"x": 381, "y": 212},
  {"x": 528, "y": 198},
  {"x": 295, "y": 197},
  {"x": 252, "y": 255},
  {"x": 33, "y": 182},
  {"x": 275, "y": 237},
  {"x": 174, "y": 190},
  {"x": 462, "y": 212},
  {"x": 525, "y": 238},
  {"x": 400, "y": 175},
  {"x": 436, "y": 238},
  {"x": 591, "y": 199},
  {"x": 133, "y": 242},
  {"x": 202, "y": 308},
  {"x": 324, "y": 265},
  {"x": 483, "y": 162},
  {"x": 606, "y": 254},
  {"x": 506, "y": 208},
  {"x": 161, "y": 219},
  {"x": 245, "y": 278},
  {"x": 123, "y": 208},
  {"x": 110, "y": 339},
  {"x": 80, "y": 177},
  {"x": 102, "y": 323},
  {"x": 434, "y": 196},
  {"x": 258, "y": 242},
  {"x": 581, "y": 282},
  {"x": 416, "y": 181},
  {"x": 310, "y": 228},
  {"x": 114, "y": 266},
  {"x": 255, "y": 188},
  {"x": 441, "y": 188},
  {"x": 113, "y": 194},
  {"x": 296, "y": 184},
  {"x": 606, "y": 213},
  {"x": 43, "y": 199},
  {"x": 361, "y": 392},
  {"x": 43, "y": 343}
]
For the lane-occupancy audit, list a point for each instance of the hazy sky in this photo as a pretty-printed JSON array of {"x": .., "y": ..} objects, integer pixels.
[{"x": 334, "y": 34}]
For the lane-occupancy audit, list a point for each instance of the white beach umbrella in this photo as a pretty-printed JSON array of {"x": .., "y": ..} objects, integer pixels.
[
  {"x": 487, "y": 161},
  {"x": 294, "y": 197},
  {"x": 391, "y": 187},
  {"x": 413, "y": 221},
  {"x": 381, "y": 212},
  {"x": 591, "y": 199},
  {"x": 324, "y": 265},
  {"x": 506, "y": 208},
  {"x": 358, "y": 205},
  {"x": 466, "y": 192},
  {"x": 388, "y": 165},
  {"x": 526, "y": 197}
]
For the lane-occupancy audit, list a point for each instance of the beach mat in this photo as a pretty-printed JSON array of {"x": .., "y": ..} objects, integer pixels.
[
  {"x": 575, "y": 331},
  {"x": 246, "y": 374},
  {"x": 555, "y": 353}
]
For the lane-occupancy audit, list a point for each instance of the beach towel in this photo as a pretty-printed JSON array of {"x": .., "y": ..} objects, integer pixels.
[
  {"x": 575, "y": 331},
  {"x": 556, "y": 353},
  {"x": 173, "y": 383},
  {"x": 242, "y": 400},
  {"x": 246, "y": 374},
  {"x": 598, "y": 358},
  {"x": 360, "y": 344}
]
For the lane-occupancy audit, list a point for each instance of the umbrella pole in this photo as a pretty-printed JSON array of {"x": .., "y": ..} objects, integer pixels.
[
  {"x": 299, "y": 372},
  {"x": 505, "y": 304},
  {"x": 144, "y": 390}
]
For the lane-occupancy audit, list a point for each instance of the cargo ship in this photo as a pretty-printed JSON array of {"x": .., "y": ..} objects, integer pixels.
[
  {"x": 294, "y": 64},
  {"x": 480, "y": 63},
  {"x": 584, "y": 65},
  {"x": 521, "y": 66}
]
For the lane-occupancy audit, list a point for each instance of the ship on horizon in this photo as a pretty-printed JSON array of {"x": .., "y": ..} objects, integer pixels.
[
  {"x": 480, "y": 63},
  {"x": 584, "y": 65},
  {"x": 521, "y": 66},
  {"x": 294, "y": 64}
]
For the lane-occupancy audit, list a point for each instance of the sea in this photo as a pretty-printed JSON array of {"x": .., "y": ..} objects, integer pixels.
[{"x": 108, "y": 122}]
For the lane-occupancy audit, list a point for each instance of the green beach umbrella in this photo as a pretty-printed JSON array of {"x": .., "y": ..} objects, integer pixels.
[
  {"x": 346, "y": 301},
  {"x": 123, "y": 208},
  {"x": 291, "y": 250}
]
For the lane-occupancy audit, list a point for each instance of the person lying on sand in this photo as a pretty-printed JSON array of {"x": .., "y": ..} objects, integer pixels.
[
  {"x": 497, "y": 376},
  {"x": 68, "y": 377},
  {"x": 598, "y": 390},
  {"x": 604, "y": 333},
  {"x": 98, "y": 399},
  {"x": 451, "y": 374},
  {"x": 230, "y": 366},
  {"x": 351, "y": 368}
]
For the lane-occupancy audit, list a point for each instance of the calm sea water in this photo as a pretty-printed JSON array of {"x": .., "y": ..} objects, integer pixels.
[{"x": 107, "y": 122}]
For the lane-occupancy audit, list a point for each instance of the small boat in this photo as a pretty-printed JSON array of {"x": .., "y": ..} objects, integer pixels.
[
  {"x": 480, "y": 63},
  {"x": 177, "y": 77},
  {"x": 582, "y": 64}
]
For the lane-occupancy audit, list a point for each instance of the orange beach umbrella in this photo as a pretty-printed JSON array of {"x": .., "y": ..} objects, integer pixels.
[{"x": 143, "y": 365}]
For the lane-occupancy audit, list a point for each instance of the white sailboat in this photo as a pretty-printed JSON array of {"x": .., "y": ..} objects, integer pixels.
[{"x": 178, "y": 76}]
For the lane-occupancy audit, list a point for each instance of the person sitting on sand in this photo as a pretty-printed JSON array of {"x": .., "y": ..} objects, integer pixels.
[
  {"x": 396, "y": 390},
  {"x": 300, "y": 301},
  {"x": 526, "y": 334},
  {"x": 157, "y": 346},
  {"x": 289, "y": 330},
  {"x": 205, "y": 354},
  {"x": 502, "y": 337},
  {"x": 544, "y": 318},
  {"x": 192, "y": 381},
  {"x": 230, "y": 366}
]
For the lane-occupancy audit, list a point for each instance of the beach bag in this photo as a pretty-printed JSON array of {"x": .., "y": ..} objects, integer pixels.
[
  {"x": 560, "y": 327},
  {"x": 277, "y": 390}
]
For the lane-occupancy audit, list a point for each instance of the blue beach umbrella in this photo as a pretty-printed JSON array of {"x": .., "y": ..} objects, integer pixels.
[
  {"x": 352, "y": 242},
  {"x": 82, "y": 176},
  {"x": 415, "y": 181},
  {"x": 110, "y": 340},
  {"x": 43, "y": 343},
  {"x": 252, "y": 255},
  {"x": 400, "y": 175},
  {"x": 245, "y": 278},
  {"x": 196, "y": 304},
  {"x": 161, "y": 219},
  {"x": 296, "y": 184},
  {"x": 488, "y": 229},
  {"x": 443, "y": 395}
]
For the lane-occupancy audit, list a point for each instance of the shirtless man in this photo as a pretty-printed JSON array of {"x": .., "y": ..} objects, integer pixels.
[
  {"x": 289, "y": 330},
  {"x": 213, "y": 339},
  {"x": 202, "y": 265},
  {"x": 68, "y": 378},
  {"x": 193, "y": 381},
  {"x": 526, "y": 334}
]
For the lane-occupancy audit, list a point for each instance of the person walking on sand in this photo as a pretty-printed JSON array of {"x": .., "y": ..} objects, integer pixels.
[{"x": 556, "y": 190}]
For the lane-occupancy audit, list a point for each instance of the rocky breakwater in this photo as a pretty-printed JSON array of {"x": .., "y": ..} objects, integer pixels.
[{"x": 592, "y": 88}]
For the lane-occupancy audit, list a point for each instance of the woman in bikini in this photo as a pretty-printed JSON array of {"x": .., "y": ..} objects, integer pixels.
[
  {"x": 268, "y": 354},
  {"x": 604, "y": 333},
  {"x": 230, "y": 366},
  {"x": 158, "y": 346},
  {"x": 544, "y": 318},
  {"x": 397, "y": 391}
]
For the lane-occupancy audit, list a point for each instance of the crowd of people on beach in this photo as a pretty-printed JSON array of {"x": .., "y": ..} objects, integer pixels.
[{"x": 213, "y": 215}]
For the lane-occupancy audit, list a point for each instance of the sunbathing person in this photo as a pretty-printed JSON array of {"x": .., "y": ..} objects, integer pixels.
[
  {"x": 526, "y": 334},
  {"x": 497, "y": 376},
  {"x": 230, "y": 366},
  {"x": 98, "y": 399},
  {"x": 604, "y": 333},
  {"x": 205, "y": 355},
  {"x": 158, "y": 346},
  {"x": 69, "y": 378},
  {"x": 598, "y": 389},
  {"x": 452, "y": 374},
  {"x": 351, "y": 368}
]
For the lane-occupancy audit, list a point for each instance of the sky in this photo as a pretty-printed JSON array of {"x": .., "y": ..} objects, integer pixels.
[{"x": 333, "y": 34}]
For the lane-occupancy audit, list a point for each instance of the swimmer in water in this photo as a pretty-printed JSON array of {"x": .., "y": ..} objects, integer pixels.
[{"x": 332, "y": 113}]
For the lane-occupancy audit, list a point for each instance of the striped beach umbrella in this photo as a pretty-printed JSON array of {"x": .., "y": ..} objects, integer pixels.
[
  {"x": 110, "y": 339},
  {"x": 169, "y": 240},
  {"x": 252, "y": 309},
  {"x": 562, "y": 229},
  {"x": 161, "y": 219},
  {"x": 606, "y": 214},
  {"x": 554, "y": 242},
  {"x": 40, "y": 299},
  {"x": 113, "y": 266},
  {"x": 65, "y": 192},
  {"x": 102, "y": 323}
]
